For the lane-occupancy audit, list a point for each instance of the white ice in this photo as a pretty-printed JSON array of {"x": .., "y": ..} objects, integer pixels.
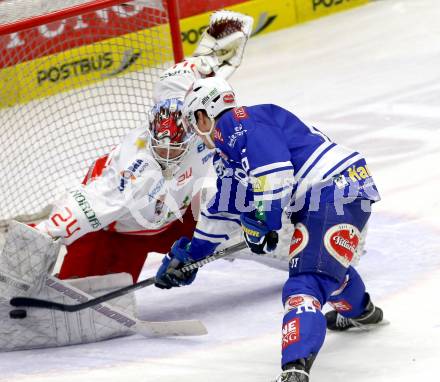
[{"x": 370, "y": 78}]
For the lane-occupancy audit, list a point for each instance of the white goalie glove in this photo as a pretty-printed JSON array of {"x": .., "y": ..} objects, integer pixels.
[
  {"x": 222, "y": 45},
  {"x": 219, "y": 52}
]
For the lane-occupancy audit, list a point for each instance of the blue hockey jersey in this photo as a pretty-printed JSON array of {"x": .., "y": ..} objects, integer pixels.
[{"x": 268, "y": 161}]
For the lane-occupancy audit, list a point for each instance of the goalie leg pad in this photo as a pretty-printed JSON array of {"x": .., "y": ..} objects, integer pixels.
[
  {"x": 50, "y": 328},
  {"x": 27, "y": 257}
]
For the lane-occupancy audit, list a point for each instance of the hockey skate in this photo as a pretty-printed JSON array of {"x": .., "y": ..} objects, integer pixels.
[
  {"x": 372, "y": 316},
  {"x": 297, "y": 371}
]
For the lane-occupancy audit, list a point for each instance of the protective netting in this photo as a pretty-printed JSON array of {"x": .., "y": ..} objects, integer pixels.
[{"x": 69, "y": 90}]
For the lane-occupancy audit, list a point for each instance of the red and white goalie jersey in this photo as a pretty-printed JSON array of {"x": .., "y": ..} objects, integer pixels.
[
  {"x": 128, "y": 192},
  {"x": 136, "y": 199}
]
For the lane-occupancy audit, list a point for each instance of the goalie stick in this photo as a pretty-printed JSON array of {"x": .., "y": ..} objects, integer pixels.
[{"x": 46, "y": 304}]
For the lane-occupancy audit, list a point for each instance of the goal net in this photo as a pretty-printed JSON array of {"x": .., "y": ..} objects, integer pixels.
[{"x": 75, "y": 76}]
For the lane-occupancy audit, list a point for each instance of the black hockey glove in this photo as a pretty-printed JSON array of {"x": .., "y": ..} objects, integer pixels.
[
  {"x": 258, "y": 237},
  {"x": 168, "y": 274}
]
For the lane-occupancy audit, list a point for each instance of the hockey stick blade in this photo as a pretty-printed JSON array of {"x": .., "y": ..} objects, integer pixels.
[
  {"x": 144, "y": 328},
  {"x": 171, "y": 328},
  {"x": 46, "y": 304}
]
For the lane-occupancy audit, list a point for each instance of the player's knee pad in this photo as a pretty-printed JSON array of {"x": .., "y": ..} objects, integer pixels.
[
  {"x": 350, "y": 298},
  {"x": 303, "y": 329}
]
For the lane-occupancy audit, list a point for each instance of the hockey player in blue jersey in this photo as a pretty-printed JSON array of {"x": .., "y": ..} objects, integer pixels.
[{"x": 269, "y": 162}]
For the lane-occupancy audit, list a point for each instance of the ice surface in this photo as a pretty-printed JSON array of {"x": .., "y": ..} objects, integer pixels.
[{"x": 370, "y": 79}]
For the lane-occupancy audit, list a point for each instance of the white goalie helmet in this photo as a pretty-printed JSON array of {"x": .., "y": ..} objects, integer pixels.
[
  {"x": 169, "y": 140},
  {"x": 213, "y": 95}
]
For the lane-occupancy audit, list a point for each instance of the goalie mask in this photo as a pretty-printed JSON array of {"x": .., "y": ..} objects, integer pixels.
[
  {"x": 167, "y": 137},
  {"x": 212, "y": 95}
]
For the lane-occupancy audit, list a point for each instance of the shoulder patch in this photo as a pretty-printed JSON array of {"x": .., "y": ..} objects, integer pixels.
[{"x": 240, "y": 113}]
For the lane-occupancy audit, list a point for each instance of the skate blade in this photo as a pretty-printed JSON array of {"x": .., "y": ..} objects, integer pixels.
[{"x": 369, "y": 327}]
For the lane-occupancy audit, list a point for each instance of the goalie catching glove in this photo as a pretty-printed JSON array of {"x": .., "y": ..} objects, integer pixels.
[
  {"x": 169, "y": 275},
  {"x": 222, "y": 45},
  {"x": 259, "y": 238},
  {"x": 219, "y": 53}
]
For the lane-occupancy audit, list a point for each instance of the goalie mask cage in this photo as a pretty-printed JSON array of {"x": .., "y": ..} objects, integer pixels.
[{"x": 75, "y": 76}]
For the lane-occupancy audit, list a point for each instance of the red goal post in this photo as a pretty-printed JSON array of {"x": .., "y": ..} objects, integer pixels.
[{"x": 73, "y": 80}]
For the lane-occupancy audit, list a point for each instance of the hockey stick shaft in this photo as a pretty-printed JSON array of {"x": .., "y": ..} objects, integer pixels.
[
  {"x": 116, "y": 314},
  {"x": 46, "y": 304}
]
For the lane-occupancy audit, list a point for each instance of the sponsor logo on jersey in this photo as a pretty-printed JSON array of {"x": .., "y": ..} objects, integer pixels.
[
  {"x": 238, "y": 133},
  {"x": 294, "y": 302},
  {"x": 357, "y": 173},
  {"x": 290, "y": 333},
  {"x": 136, "y": 168},
  {"x": 201, "y": 147},
  {"x": 341, "y": 305},
  {"x": 240, "y": 113},
  {"x": 86, "y": 209},
  {"x": 302, "y": 303},
  {"x": 341, "y": 241},
  {"x": 218, "y": 135},
  {"x": 176, "y": 72},
  {"x": 299, "y": 241}
]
